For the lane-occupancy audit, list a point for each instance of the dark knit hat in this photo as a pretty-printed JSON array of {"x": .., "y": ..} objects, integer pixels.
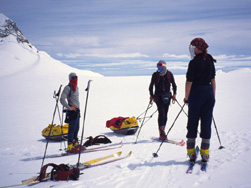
[
  {"x": 71, "y": 75},
  {"x": 199, "y": 43},
  {"x": 162, "y": 61}
]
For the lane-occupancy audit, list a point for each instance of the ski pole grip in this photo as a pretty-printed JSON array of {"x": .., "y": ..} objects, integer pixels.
[
  {"x": 59, "y": 90},
  {"x": 88, "y": 85}
]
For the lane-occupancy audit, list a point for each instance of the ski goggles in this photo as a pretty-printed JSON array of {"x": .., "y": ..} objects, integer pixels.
[{"x": 160, "y": 65}]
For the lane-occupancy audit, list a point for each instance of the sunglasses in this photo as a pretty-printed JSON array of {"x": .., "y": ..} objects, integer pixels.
[
  {"x": 74, "y": 77},
  {"x": 160, "y": 65}
]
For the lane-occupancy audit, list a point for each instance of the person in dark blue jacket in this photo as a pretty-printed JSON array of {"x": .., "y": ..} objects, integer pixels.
[{"x": 200, "y": 96}]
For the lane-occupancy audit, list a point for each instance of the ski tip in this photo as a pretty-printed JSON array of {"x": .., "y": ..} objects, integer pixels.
[
  {"x": 182, "y": 143},
  {"x": 197, "y": 148},
  {"x": 130, "y": 153},
  {"x": 119, "y": 153}
]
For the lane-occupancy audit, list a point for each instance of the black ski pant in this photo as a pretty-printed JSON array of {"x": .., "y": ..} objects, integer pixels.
[
  {"x": 200, "y": 107},
  {"x": 73, "y": 129},
  {"x": 162, "y": 112}
]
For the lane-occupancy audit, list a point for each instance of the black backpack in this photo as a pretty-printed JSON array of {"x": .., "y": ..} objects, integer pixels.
[{"x": 100, "y": 139}]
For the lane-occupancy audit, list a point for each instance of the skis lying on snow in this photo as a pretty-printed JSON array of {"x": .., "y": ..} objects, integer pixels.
[
  {"x": 98, "y": 148},
  {"x": 88, "y": 164},
  {"x": 107, "y": 162},
  {"x": 181, "y": 143},
  {"x": 192, "y": 163},
  {"x": 88, "y": 150},
  {"x": 92, "y": 163}
]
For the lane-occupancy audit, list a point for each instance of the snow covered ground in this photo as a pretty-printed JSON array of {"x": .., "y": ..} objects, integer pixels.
[{"x": 28, "y": 80}]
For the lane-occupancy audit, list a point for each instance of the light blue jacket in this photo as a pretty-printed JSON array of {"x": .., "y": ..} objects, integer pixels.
[{"x": 71, "y": 96}]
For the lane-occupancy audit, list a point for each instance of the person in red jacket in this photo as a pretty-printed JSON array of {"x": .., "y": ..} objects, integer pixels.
[
  {"x": 200, "y": 96},
  {"x": 160, "y": 93}
]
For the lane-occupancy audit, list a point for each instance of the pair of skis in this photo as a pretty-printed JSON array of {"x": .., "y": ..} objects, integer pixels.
[
  {"x": 97, "y": 148},
  {"x": 203, "y": 166},
  {"x": 88, "y": 164},
  {"x": 181, "y": 143},
  {"x": 88, "y": 150}
]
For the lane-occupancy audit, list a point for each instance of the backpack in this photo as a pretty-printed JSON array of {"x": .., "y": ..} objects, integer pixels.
[
  {"x": 165, "y": 95},
  {"x": 60, "y": 172},
  {"x": 100, "y": 139},
  {"x": 168, "y": 76}
]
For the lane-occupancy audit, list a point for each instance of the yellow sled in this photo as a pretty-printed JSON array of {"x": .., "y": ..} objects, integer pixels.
[
  {"x": 57, "y": 133},
  {"x": 123, "y": 125}
]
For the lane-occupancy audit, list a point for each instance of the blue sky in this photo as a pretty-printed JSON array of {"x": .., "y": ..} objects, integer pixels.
[{"x": 128, "y": 37}]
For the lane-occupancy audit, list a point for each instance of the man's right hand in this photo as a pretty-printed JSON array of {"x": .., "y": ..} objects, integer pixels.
[{"x": 74, "y": 108}]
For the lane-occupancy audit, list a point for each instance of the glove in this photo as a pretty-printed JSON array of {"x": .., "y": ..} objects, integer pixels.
[
  {"x": 153, "y": 98},
  {"x": 185, "y": 101}
]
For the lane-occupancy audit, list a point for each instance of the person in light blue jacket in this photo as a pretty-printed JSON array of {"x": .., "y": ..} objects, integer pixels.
[{"x": 70, "y": 101}]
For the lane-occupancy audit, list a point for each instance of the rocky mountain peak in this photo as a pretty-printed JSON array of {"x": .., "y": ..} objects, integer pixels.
[{"x": 8, "y": 27}]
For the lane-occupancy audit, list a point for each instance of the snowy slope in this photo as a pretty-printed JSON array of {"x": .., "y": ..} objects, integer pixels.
[{"x": 28, "y": 79}]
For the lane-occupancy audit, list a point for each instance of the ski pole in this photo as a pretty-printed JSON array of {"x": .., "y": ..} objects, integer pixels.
[
  {"x": 155, "y": 154},
  {"x": 221, "y": 147},
  {"x": 87, "y": 89},
  {"x": 136, "y": 120},
  {"x": 144, "y": 111},
  {"x": 181, "y": 107},
  {"x": 61, "y": 125},
  {"x": 185, "y": 113},
  {"x": 56, "y": 96},
  {"x": 62, "y": 132},
  {"x": 148, "y": 107},
  {"x": 149, "y": 117}
]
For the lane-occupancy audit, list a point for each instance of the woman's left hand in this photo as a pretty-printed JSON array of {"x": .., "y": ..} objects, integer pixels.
[{"x": 174, "y": 98}]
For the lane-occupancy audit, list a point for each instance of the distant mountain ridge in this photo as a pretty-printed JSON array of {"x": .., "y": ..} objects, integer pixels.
[
  {"x": 9, "y": 27},
  {"x": 19, "y": 54}
]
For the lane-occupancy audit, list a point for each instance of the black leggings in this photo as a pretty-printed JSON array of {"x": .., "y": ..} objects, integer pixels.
[{"x": 162, "y": 110}]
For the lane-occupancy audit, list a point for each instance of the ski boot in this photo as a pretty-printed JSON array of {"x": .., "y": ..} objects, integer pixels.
[
  {"x": 72, "y": 149},
  {"x": 162, "y": 133},
  {"x": 77, "y": 145},
  {"x": 192, "y": 155},
  {"x": 204, "y": 154}
]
